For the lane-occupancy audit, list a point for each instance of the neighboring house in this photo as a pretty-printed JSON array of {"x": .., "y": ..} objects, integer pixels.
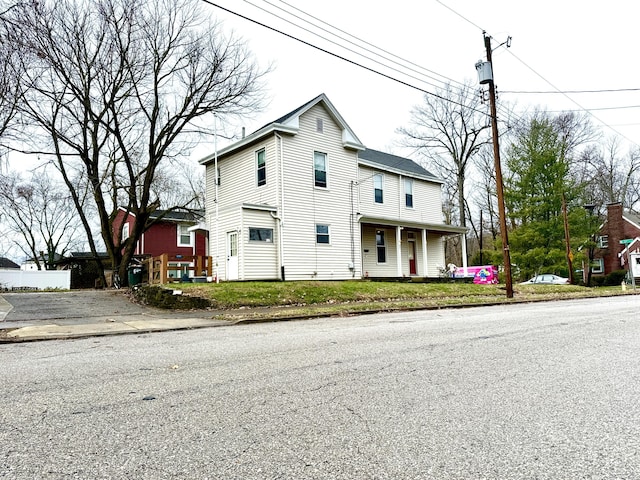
[
  {"x": 611, "y": 255},
  {"x": 175, "y": 233},
  {"x": 302, "y": 198},
  {"x": 6, "y": 263}
]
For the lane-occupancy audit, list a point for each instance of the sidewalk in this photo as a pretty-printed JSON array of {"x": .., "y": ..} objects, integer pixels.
[{"x": 52, "y": 331}]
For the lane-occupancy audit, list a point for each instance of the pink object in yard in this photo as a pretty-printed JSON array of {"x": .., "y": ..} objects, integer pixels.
[{"x": 484, "y": 274}]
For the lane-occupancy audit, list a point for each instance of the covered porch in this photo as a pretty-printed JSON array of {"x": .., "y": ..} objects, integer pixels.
[{"x": 401, "y": 249}]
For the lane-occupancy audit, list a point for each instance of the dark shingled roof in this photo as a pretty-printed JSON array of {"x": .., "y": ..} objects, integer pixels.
[
  {"x": 194, "y": 216},
  {"x": 388, "y": 161},
  {"x": 6, "y": 263}
]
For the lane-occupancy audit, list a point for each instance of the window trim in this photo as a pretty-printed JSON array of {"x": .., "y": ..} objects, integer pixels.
[
  {"x": 377, "y": 176},
  {"x": 408, "y": 197},
  {"x": 125, "y": 231},
  {"x": 261, "y": 169},
  {"x": 603, "y": 241},
  {"x": 267, "y": 239},
  {"x": 180, "y": 234},
  {"x": 381, "y": 248},
  {"x": 600, "y": 265},
  {"x": 326, "y": 170},
  {"x": 323, "y": 234}
]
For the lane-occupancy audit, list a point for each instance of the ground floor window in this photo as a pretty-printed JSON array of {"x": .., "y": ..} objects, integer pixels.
[
  {"x": 261, "y": 235},
  {"x": 381, "y": 246},
  {"x": 597, "y": 266}
]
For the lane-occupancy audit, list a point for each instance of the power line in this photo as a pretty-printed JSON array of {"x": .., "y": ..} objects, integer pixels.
[
  {"x": 340, "y": 57},
  {"x": 571, "y": 92},
  {"x": 582, "y": 108}
]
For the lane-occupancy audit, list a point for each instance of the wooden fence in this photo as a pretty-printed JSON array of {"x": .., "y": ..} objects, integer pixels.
[{"x": 173, "y": 268}]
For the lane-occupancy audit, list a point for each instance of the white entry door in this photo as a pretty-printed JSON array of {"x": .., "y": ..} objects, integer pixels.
[{"x": 232, "y": 256}]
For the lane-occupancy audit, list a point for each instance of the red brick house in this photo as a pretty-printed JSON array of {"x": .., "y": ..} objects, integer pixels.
[
  {"x": 175, "y": 233},
  {"x": 620, "y": 224}
]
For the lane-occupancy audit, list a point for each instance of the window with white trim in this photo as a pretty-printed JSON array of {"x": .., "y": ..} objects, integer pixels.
[
  {"x": 322, "y": 234},
  {"x": 378, "y": 183},
  {"x": 261, "y": 235},
  {"x": 320, "y": 169},
  {"x": 408, "y": 192},
  {"x": 261, "y": 167},
  {"x": 597, "y": 266},
  {"x": 125, "y": 231},
  {"x": 603, "y": 241},
  {"x": 184, "y": 236},
  {"x": 381, "y": 247}
]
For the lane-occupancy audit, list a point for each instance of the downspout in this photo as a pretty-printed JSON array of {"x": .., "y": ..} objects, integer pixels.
[
  {"x": 280, "y": 218},
  {"x": 215, "y": 183}
]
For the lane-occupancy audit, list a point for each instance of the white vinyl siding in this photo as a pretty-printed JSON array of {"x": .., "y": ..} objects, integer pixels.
[
  {"x": 427, "y": 201},
  {"x": 307, "y": 205},
  {"x": 259, "y": 256}
]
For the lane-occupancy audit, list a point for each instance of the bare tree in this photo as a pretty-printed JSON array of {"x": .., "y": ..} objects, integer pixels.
[
  {"x": 612, "y": 176},
  {"x": 114, "y": 85},
  {"x": 40, "y": 215},
  {"x": 9, "y": 79},
  {"x": 448, "y": 130}
]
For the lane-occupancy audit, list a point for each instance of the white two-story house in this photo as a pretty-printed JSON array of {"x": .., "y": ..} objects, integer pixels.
[{"x": 302, "y": 198}]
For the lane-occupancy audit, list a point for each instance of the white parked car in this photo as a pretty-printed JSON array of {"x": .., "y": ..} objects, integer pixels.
[{"x": 546, "y": 279}]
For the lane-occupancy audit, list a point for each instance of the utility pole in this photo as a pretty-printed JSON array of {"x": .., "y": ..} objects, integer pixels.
[
  {"x": 496, "y": 157},
  {"x": 566, "y": 238}
]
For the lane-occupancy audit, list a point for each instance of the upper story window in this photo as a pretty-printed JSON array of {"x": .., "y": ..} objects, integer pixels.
[
  {"x": 322, "y": 234},
  {"x": 603, "y": 241},
  {"x": 125, "y": 231},
  {"x": 408, "y": 192},
  {"x": 378, "y": 181},
  {"x": 184, "y": 236},
  {"x": 261, "y": 167},
  {"x": 320, "y": 169}
]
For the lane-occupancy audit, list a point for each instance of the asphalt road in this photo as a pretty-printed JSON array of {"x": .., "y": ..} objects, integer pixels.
[
  {"x": 77, "y": 307},
  {"x": 544, "y": 391}
]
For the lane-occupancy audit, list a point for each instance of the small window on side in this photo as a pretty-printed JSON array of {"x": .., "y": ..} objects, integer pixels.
[{"x": 322, "y": 234}]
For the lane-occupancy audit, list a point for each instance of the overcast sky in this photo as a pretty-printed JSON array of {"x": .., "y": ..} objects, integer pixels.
[{"x": 566, "y": 45}]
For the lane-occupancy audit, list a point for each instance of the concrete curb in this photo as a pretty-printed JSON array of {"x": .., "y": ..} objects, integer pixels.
[{"x": 35, "y": 333}]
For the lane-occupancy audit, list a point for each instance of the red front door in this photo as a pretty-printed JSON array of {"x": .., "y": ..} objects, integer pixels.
[{"x": 412, "y": 258}]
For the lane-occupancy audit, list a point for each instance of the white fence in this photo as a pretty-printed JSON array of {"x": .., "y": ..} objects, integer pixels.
[{"x": 11, "y": 279}]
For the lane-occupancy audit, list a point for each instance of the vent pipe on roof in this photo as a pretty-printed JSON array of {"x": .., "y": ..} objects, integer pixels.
[{"x": 243, "y": 132}]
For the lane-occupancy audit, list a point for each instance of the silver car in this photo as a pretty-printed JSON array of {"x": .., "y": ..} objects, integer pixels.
[{"x": 546, "y": 279}]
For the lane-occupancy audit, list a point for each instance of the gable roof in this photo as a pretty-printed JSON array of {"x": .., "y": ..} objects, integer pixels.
[
  {"x": 631, "y": 217},
  {"x": 290, "y": 124},
  {"x": 395, "y": 164},
  {"x": 6, "y": 263}
]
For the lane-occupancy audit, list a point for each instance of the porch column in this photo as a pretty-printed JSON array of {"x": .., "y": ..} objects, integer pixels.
[
  {"x": 399, "y": 251},
  {"x": 464, "y": 250},
  {"x": 425, "y": 262}
]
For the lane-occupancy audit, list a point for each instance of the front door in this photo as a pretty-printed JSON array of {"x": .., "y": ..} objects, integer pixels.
[
  {"x": 412, "y": 258},
  {"x": 232, "y": 256}
]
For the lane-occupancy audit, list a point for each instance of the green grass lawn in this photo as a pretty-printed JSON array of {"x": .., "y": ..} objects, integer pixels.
[{"x": 363, "y": 294}]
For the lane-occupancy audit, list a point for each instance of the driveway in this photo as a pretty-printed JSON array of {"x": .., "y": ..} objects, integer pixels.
[{"x": 76, "y": 307}]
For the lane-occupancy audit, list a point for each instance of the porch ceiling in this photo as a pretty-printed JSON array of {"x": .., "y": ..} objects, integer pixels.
[{"x": 431, "y": 227}]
